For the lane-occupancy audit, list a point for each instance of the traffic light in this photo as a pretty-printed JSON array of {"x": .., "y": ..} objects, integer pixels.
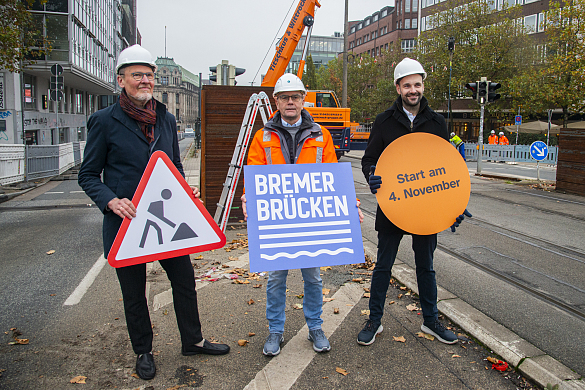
[
  {"x": 473, "y": 88},
  {"x": 482, "y": 92},
  {"x": 492, "y": 95},
  {"x": 213, "y": 70}
]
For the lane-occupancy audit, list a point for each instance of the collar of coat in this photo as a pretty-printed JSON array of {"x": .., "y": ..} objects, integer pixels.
[{"x": 396, "y": 111}]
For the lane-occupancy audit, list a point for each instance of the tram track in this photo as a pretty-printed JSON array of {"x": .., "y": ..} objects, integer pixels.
[{"x": 527, "y": 239}]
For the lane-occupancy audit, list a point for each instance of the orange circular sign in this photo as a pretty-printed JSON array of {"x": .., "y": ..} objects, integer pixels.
[{"x": 425, "y": 183}]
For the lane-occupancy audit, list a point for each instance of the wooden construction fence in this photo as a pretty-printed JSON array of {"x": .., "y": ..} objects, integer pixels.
[
  {"x": 571, "y": 161},
  {"x": 223, "y": 109}
]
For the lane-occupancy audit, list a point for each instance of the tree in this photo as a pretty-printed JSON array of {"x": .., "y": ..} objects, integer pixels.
[
  {"x": 558, "y": 79},
  {"x": 17, "y": 37},
  {"x": 488, "y": 43},
  {"x": 310, "y": 74}
]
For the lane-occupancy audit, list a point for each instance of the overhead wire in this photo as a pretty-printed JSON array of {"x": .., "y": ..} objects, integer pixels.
[{"x": 274, "y": 39}]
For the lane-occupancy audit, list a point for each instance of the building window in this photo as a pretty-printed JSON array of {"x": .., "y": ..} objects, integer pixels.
[
  {"x": 375, "y": 18},
  {"x": 530, "y": 24},
  {"x": 384, "y": 13},
  {"x": 165, "y": 80},
  {"x": 177, "y": 98},
  {"x": 177, "y": 116},
  {"x": 367, "y": 22},
  {"x": 165, "y": 98},
  {"x": 29, "y": 92},
  {"x": 414, "y": 5},
  {"x": 414, "y": 23},
  {"x": 407, "y": 23},
  {"x": 352, "y": 30},
  {"x": 407, "y": 45},
  {"x": 407, "y": 6},
  {"x": 79, "y": 102}
]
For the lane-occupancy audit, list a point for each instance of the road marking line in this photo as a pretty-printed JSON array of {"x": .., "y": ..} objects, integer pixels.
[
  {"x": 285, "y": 368},
  {"x": 86, "y": 283},
  {"x": 54, "y": 192},
  {"x": 76, "y": 192}
]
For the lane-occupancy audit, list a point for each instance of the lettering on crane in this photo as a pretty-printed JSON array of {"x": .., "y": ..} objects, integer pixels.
[
  {"x": 283, "y": 42},
  {"x": 297, "y": 14}
]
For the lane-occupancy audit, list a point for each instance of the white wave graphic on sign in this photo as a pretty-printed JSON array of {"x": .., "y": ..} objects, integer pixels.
[{"x": 306, "y": 253}]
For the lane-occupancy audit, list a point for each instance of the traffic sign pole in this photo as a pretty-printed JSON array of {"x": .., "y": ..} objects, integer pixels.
[{"x": 480, "y": 140}]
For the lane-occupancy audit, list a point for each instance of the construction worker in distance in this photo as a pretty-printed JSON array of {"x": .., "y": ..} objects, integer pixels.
[
  {"x": 410, "y": 113},
  {"x": 292, "y": 137},
  {"x": 493, "y": 138},
  {"x": 503, "y": 140},
  {"x": 459, "y": 144}
]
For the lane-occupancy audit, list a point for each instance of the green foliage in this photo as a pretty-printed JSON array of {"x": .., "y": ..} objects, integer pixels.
[
  {"x": 17, "y": 36},
  {"x": 310, "y": 74},
  {"x": 558, "y": 78}
]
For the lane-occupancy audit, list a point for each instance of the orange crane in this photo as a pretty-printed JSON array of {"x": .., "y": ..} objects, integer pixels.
[{"x": 323, "y": 106}]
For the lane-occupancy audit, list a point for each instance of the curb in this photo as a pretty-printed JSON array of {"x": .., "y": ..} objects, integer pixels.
[{"x": 525, "y": 357}]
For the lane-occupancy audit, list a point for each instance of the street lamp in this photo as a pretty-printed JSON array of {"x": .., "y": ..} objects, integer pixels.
[{"x": 451, "y": 47}]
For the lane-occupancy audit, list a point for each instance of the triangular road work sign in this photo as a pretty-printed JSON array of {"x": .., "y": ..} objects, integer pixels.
[{"x": 169, "y": 222}]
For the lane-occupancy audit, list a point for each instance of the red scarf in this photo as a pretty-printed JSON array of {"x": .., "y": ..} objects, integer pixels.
[{"x": 146, "y": 117}]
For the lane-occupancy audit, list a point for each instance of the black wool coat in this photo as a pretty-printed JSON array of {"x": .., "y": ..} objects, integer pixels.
[
  {"x": 117, "y": 147},
  {"x": 388, "y": 127}
]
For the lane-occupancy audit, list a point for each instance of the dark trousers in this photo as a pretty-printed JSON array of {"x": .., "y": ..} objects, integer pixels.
[
  {"x": 424, "y": 247},
  {"x": 133, "y": 284}
]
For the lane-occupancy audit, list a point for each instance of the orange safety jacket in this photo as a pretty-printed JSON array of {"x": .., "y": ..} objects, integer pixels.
[
  {"x": 317, "y": 144},
  {"x": 493, "y": 139},
  {"x": 504, "y": 140}
]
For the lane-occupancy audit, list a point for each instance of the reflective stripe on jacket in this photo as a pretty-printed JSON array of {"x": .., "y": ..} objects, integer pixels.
[
  {"x": 504, "y": 140},
  {"x": 493, "y": 139}
]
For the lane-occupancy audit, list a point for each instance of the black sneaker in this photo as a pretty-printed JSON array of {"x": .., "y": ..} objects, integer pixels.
[
  {"x": 368, "y": 334},
  {"x": 438, "y": 330}
]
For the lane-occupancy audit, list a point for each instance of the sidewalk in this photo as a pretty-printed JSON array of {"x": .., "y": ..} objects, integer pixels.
[{"x": 420, "y": 361}]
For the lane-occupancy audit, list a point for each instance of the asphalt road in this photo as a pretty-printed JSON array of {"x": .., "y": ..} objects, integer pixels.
[{"x": 520, "y": 170}]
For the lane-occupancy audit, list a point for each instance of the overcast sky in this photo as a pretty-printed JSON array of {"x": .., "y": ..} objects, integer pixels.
[{"x": 202, "y": 33}]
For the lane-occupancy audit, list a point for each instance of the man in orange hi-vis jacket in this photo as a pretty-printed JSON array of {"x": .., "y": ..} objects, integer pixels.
[
  {"x": 503, "y": 140},
  {"x": 493, "y": 138},
  {"x": 292, "y": 137}
]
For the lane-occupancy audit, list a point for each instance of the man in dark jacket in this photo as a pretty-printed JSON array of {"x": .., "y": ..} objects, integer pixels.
[
  {"x": 120, "y": 140},
  {"x": 409, "y": 113}
]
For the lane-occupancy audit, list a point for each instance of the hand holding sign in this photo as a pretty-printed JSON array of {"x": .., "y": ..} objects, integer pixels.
[{"x": 426, "y": 184}]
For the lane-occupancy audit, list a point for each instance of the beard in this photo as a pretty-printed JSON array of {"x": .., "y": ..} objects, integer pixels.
[
  {"x": 142, "y": 96},
  {"x": 407, "y": 102}
]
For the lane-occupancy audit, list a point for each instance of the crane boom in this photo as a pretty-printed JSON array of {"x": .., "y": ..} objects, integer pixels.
[{"x": 302, "y": 17}]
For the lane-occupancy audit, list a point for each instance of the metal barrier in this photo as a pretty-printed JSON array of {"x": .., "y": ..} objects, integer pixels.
[
  {"x": 41, "y": 161},
  {"x": 512, "y": 153},
  {"x": 11, "y": 164}
]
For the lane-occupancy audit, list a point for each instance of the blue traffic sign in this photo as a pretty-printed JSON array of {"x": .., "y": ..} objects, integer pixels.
[
  {"x": 538, "y": 150},
  {"x": 518, "y": 120}
]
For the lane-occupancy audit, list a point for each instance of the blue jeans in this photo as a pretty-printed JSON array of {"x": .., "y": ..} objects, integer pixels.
[
  {"x": 276, "y": 299},
  {"x": 424, "y": 247},
  {"x": 461, "y": 149}
]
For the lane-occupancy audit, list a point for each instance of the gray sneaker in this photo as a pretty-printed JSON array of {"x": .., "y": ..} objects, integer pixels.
[
  {"x": 272, "y": 344},
  {"x": 320, "y": 342}
]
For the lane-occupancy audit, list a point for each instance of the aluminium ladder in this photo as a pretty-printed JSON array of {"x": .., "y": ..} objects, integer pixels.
[{"x": 257, "y": 102}]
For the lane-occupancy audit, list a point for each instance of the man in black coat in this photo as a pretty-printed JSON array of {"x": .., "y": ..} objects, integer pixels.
[
  {"x": 121, "y": 139},
  {"x": 410, "y": 113}
]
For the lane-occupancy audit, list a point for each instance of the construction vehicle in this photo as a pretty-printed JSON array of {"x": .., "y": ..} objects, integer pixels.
[{"x": 323, "y": 106}]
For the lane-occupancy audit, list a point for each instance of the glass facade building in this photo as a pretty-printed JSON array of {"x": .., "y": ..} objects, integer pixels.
[{"x": 322, "y": 50}]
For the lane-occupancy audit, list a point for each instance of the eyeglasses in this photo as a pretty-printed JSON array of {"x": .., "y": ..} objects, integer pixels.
[
  {"x": 295, "y": 98},
  {"x": 139, "y": 75}
]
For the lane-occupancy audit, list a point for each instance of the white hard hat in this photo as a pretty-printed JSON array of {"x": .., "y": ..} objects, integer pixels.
[
  {"x": 493, "y": 132},
  {"x": 135, "y": 55},
  {"x": 452, "y": 135},
  {"x": 501, "y": 133},
  {"x": 406, "y": 67},
  {"x": 288, "y": 82}
]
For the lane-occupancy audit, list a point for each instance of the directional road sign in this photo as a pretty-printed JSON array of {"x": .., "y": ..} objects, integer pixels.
[
  {"x": 538, "y": 150},
  {"x": 518, "y": 120}
]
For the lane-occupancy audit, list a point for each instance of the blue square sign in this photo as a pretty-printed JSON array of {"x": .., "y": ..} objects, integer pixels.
[{"x": 302, "y": 216}]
